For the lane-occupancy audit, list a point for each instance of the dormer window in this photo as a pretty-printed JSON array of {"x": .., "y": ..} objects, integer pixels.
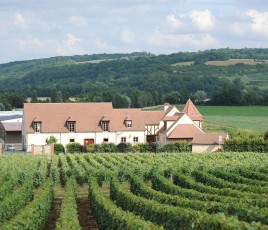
[
  {"x": 37, "y": 127},
  {"x": 105, "y": 125},
  {"x": 128, "y": 122},
  {"x": 71, "y": 126}
]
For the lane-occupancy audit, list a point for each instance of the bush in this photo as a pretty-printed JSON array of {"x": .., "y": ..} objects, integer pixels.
[
  {"x": 102, "y": 148},
  {"x": 146, "y": 147},
  {"x": 74, "y": 147},
  {"x": 246, "y": 145},
  {"x": 125, "y": 148},
  {"x": 181, "y": 146},
  {"x": 108, "y": 148},
  {"x": 52, "y": 140},
  {"x": 58, "y": 148}
]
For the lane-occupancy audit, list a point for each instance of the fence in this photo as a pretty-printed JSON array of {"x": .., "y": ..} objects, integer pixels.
[{"x": 21, "y": 149}]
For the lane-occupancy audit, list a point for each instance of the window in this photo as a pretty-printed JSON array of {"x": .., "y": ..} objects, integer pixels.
[
  {"x": 105, "y": 125},
  {"x": 135, "y": 139},
  {"x": 105, "y": 140},
  {"x": 123, "y": 139},
  {"x": 72, "y": 140},
  {"x": 37, "y": 127},
  {"x": 71, "y": 126},
  {"x": 129, "y": 124}
]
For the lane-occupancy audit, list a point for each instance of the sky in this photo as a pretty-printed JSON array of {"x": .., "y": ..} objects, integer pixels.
[{"x": 31, "y": 29}]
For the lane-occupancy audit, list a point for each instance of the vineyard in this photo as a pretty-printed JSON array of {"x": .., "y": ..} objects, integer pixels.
[{"x": 134, "y": 191}]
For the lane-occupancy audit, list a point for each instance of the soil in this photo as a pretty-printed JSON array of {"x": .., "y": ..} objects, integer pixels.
[
  {"x": 85, "y": 215},
  {"x": 54, "y": 215}
]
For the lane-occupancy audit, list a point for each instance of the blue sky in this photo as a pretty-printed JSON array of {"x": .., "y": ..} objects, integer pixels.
[{"x": 31, "y": 29}]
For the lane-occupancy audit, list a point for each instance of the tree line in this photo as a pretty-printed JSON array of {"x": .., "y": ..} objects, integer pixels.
[{"x": 137, "y": 79}]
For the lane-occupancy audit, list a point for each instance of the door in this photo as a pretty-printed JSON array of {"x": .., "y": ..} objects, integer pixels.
[
  {"x": 88, "y": 142},
  {"x": 151, "y": 138}
]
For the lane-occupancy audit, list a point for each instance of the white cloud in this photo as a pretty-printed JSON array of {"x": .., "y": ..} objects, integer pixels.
[
  {"x": 69, "y": 46},
  {"x": 259, "y": 22},
  {"x": 181, "y": 41},
  {"x": 238, "y": 29},
  {"x": 173, "y": 21},
  {"x": 46, "y": 47},
  {"x": 19, "y": 20},
  {"x": 128, "y": 36},
  {"x": 30, "y": 42},
  {"x": 78, "y": 21},
  {"x": 202, "y": 19}
]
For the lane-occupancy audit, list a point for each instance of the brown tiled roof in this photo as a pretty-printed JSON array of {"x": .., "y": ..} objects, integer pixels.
[
  {"x": 192, "y": 111},
  {"x": 12, "y": 126},
  {"x": 117, "y": 122},
  {"x": 184, "y": 131},
  {"x": 209, "y": 138},
  {"x": 88, "y": 117},
  {"x": 55, "y": 115},
  {"x": 153, "y": 117},
  {"x": 175, "y": 117}
]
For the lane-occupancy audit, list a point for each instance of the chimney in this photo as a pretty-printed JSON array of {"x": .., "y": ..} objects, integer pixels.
[{"x": 165, "y": 106}]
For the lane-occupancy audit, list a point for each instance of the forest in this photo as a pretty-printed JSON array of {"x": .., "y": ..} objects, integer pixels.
[{"x": 139, "y": 79}]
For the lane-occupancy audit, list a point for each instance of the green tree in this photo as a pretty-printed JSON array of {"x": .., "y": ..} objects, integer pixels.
[
  {"x": 200, "y": 96},
  {"x": 34, "y": 97},
  {"x": 53, "y": 95},
  {"x": 59, "y": 97},
  {"x": 52, "y": 140},
  {"x": 173, "y": 98},
  {"x": 2, "y": 107}
]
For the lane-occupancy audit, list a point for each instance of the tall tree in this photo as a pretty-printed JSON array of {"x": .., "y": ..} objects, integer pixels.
[
  {"x": 34, "y": 96},
  {"x": 53, "y": 95}
]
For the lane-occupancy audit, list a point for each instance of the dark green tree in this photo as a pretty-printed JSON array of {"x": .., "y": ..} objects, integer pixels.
[
  {"x": 34, "y": 96},
  {"x": 53, "y": 95}
]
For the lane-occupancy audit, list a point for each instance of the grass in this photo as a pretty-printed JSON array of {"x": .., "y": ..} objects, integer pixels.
[
  {"x": 186, "y": 63},
  {"x": 233, "y": 110},
  {"x": 226, "y": 118},
  {"x": 233, "y": 62},
  {"x": 256, "y": 123},
  {"x": 244, "y": 117}
]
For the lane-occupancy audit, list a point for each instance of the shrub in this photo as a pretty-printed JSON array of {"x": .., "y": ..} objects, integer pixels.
[
  {"x": 92, "y": 148},
  {"x": 108, "y": 148},
  {"x": 246, "y": 145},
  {"x": 74, "y": 147},
  {"x": 52, "y": 140},
  {"x": 58, "y": 148},
  {"x": 146, "y": 147},
  {"x": 180, "y": 146},
  {"x": 125, "y": 148}
]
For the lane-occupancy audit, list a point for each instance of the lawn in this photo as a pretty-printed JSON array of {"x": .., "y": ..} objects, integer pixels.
[{"x": 244, "y": 117}]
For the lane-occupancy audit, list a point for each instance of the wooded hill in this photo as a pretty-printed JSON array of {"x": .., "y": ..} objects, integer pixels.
[{"x": 143, "y": 79}]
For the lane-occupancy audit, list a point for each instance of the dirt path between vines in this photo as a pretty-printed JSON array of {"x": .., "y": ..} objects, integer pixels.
[{"x": 85, "y": 215}]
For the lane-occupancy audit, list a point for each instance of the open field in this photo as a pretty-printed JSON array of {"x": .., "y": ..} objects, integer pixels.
[
  {"x": 245, "y": 117},
  {"x": 224, "y": 117},
  {"x": 135, "y": 191},
  {"x": 186, "y": 63},
  {"x": 225, "y": 62},
  {"x": 235, "y": 61}
]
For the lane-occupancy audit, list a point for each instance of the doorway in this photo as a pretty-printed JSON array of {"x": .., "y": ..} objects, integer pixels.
[{"x": 88, "y": 142}]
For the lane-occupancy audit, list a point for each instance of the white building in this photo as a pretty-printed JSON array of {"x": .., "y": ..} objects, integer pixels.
[{"x": 95, "y": 123}]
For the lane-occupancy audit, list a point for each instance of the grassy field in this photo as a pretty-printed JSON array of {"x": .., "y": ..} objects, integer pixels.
[
  {"x": 245, "y": 117},
  {"x": 234, "y": 61},
  {"x": 222, "y": 118}
]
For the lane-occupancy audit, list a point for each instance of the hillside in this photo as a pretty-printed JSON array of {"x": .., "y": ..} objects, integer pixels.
[{"x": 143, "y": 79}]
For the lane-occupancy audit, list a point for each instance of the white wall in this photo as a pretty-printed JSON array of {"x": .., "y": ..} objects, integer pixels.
[
  {"x": 205, "y": 148},
  {"x": 64, "y": 138}
]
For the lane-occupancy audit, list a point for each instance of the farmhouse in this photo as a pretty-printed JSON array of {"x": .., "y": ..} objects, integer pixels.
[
  {"x": 10, "y": 128},
  {"x": 95, "y": 123}
]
